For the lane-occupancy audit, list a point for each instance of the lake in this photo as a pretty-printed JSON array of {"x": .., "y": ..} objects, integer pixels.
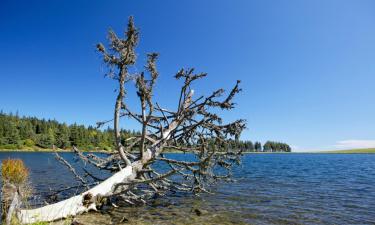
[{"x": 269, "y": 189}]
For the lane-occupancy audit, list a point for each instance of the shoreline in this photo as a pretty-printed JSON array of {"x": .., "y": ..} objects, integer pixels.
[
  {"x": 353, "y": 151},
  {"x": 104, "y": 151},
  {"x": 177, "y": 152},
  {"x": 50, "y": 150}
]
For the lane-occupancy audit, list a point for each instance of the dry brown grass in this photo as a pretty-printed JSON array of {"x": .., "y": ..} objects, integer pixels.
[{"x": 14, "y": 171}]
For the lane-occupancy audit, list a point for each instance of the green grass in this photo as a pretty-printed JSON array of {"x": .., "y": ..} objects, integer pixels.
[{"x": 352, "y": 151}]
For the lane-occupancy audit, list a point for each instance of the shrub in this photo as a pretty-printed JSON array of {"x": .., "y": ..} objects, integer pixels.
[
  {"x": 90, "y": 147},
  {"x": 9, "y": 146},
  {"x": 29, "y": 143},
  {"x": 14, "y": 171},
  {"x": 107, "y": 148}
]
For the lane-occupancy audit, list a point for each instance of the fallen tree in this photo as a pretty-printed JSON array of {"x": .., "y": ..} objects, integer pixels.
[{"x": 194, "y": 128}]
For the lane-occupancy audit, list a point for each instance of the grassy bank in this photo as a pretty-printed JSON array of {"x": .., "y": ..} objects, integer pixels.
[
  {"x": 352, "y": 151},
  {"x": 105, "y": 151},
  {"x": 36, "y": 149}
]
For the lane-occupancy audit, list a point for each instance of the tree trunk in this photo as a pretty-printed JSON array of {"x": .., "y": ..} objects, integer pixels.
[
  {"x": 10, "y": 202},
  {"x": 16, "y": 202},
  {"x": 76, "y": 204}
]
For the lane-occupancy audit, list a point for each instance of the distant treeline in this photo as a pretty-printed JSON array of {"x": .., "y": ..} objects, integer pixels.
[
  {"x": 269, "y": 146},
  {"x": 32, "y": 133}
]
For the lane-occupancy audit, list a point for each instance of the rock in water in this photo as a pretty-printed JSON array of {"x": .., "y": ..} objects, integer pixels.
[{"x": 198, "y": 212}]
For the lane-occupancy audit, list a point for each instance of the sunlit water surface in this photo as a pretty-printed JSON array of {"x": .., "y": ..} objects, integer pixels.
[{"x": 269, "y": 189}]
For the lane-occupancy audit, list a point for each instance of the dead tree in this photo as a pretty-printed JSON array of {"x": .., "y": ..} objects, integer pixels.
[{"x": 193, "y": 127}]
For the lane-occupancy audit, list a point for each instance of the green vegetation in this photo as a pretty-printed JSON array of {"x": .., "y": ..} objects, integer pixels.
[
  {"x": 269, "y": 146},
  {"x": 352, "y": 151},
  {"x": 30, "y": 133},
  {"x": 63, "y": 222}
]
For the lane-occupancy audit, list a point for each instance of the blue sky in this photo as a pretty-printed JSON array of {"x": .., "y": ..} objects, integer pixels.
[{"x": 307, "y": 67}]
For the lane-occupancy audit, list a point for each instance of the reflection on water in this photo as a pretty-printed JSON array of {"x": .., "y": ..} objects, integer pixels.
[{"x": 270, "y": 189}]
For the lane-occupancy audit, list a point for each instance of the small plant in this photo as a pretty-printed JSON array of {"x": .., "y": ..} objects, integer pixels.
[
  {"x": 40, "y": 223},
  {"x": 14, "y": 171},
  {"x": 29, "y": 143},
  {"x": 15, "y": 221}
]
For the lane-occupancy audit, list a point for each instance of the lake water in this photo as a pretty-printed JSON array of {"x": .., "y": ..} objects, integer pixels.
[{"x": 269, "y": 189}]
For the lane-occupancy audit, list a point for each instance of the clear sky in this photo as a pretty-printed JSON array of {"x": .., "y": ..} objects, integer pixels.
[{"x": 307, "y": 67}]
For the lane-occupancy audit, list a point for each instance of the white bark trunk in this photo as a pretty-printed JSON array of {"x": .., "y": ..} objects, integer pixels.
[
  {"x": 13, "y": 206},
  {"x": 74, "y": 205}
]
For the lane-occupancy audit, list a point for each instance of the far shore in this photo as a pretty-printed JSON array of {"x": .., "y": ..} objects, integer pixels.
[
  {"x": 51, "y": 150},
  {"x": 349, "y": 151},
  {"x": 105, "y": 151}
]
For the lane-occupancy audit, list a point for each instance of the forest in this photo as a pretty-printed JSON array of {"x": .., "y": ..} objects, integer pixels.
[
  {"x": 31, "y": 133},
  {"x": 28, "y": 133}
]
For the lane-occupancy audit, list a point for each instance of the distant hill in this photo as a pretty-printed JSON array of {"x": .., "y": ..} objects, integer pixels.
[{"x": 362, "y": 150}]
